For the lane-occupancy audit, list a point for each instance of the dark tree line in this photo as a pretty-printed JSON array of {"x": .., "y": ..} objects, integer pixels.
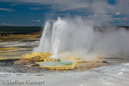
[{"x": 19, "y": 30}]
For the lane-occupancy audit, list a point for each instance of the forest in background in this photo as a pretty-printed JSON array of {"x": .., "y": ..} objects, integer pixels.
[
  {"x": 34, "y": 29},
  {"x": 19, "y": 29}
]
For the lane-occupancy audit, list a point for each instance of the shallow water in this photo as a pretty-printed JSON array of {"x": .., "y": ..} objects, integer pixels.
[{"x": 15, "y": 49}]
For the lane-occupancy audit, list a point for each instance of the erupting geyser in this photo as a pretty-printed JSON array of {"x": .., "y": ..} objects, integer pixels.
[
  {"x": 66, "y": 36},
  {"x": 77, "y": 37}
]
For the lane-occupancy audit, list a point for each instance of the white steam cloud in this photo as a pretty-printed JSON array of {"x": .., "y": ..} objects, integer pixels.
[{"x": 79, "y": 37}]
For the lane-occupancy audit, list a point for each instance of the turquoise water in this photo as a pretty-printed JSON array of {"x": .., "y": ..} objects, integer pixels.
[{"x": 55, "y": 64}]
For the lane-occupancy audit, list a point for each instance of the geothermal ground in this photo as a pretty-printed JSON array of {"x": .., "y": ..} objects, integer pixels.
[
  {"x": 81, "y": 43},
  {"x": 114, "y": 72}
]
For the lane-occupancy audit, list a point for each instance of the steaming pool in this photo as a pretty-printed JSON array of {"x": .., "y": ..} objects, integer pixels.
[{"x": 115, "y": 74}]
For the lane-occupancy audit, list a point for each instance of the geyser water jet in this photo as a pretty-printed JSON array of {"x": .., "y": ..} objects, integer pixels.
[
  {"x": 64, "y": 35},
  {"x": 78, "y": 38},
  {"x": 45, "y": 41}
]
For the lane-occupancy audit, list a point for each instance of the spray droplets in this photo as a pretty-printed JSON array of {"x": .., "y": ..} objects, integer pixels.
[{"x": 81, "y": 38}]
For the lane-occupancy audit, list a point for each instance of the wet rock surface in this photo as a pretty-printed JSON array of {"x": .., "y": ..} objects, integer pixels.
[
  {"x": 23, "y": 62},
  {"x": 22, "y": 69},
  {"x": 7, "y": 62},
  {"x": 20, "y": 65}
]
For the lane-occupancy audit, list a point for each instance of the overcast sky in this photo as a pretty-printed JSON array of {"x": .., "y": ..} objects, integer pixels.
[{"x": 36, "y": 12}]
